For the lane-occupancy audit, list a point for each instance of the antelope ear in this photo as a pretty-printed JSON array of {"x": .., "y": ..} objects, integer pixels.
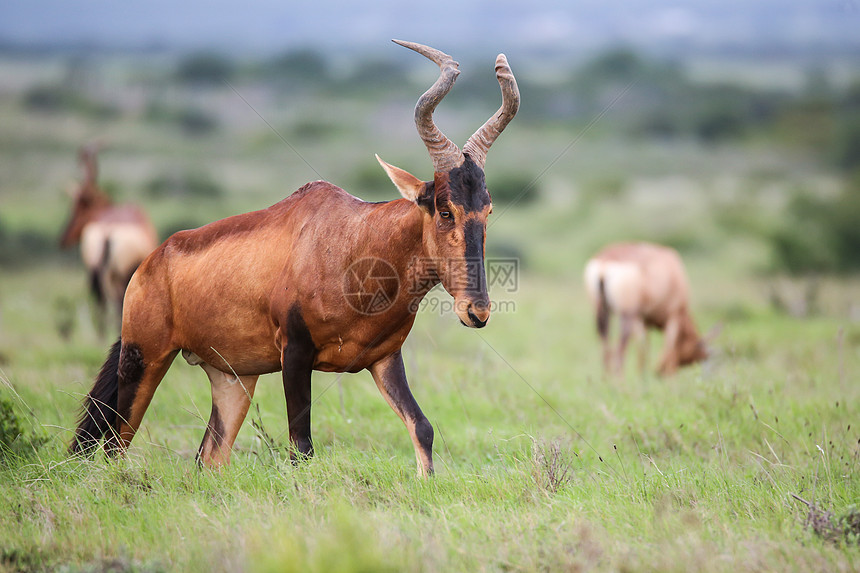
[{"x": 408, "y": 185}]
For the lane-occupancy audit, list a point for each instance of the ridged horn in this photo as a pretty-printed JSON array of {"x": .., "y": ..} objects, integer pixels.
[
  {"x": 443, "y": 152},
  {"x": 89, "y": 164},
  {"x": 481, "y": 140}
]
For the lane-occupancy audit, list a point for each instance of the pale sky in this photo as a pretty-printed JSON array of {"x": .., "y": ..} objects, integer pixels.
[{"x": 271, "y": 25}]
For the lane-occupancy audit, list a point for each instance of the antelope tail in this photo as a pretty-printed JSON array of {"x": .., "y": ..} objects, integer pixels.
[
  {"x": 602, "y": 309},
  {"x": 98, "y": 415}
]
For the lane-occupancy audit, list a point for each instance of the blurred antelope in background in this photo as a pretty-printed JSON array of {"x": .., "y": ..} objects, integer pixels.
[
  {"x": 646, "y": 286},
  {"x": 318, "y": 281},
  {"x": 114, "y": 239}
]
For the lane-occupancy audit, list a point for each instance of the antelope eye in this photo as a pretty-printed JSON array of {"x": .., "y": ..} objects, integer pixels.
[{"x": 445, "y": 214}]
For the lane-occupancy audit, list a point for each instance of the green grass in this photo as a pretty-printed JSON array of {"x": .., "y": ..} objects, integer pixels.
[{"x": 540, "y": 463}]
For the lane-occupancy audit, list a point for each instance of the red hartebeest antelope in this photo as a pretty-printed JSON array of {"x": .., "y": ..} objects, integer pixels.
[
  {"x": 319, "y": 281},
  {"x": 645, "y": 284},
  {"x": 114, "y": 238}
]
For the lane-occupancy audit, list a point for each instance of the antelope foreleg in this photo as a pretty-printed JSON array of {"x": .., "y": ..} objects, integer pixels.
[
  {"x": 297, "y": 390},
  {"x": 390, "y": 377},
  {"x": 297, "y": 362},
  {"x": 669, "y": 359}
]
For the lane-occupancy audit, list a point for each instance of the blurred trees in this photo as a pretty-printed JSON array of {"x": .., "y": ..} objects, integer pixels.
[
  {"x": 846, "y": 142},
  {"x": 822, "y": 234},
  {"x": 20, "y": 247},
  {"x": 205, "y": 68},
  {"x": 634, "y": 95},
  {"x": 819, "y": 235},
  {"x": 512, "y": 187},
  {"x": 184, "y": 185},
  {"x": 619, "y": 93},
  {"x": 191, "y": 120},
  {"x": 814, "y": 234},
  {"x": 300, "y": 64}
]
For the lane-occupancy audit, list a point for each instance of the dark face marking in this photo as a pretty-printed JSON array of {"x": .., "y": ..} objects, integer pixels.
[
  {"x": 467, "y": 188},
  {"x": 462, "y": 204},
  {"x": 473, "y": 233}
]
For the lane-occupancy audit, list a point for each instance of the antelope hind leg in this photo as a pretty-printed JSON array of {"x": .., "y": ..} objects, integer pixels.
[
  {"x": 140, "y": 372},
  {"x": 231, "y": 398}
]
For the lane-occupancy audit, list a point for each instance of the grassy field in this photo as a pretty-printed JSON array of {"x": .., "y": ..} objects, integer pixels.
[
  {"x": 748, "y": 462},
  {"x": 541, "y": 464}
]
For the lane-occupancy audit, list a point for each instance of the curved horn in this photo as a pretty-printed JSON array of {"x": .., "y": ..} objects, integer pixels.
[
  {"x": 444, "y": 152},
  {"x": 481, "y": 140},
  {"x": 87, "y": 158}
]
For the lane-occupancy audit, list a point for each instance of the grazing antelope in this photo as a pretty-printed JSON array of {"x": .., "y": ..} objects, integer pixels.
[
  {"x": 645, "y": 284},
  {"x": 319, "y": 281},
  {"x": 114, "y": 239}
]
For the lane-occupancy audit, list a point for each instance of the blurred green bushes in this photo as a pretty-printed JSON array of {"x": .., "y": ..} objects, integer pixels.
[
  {"x": 369, "y": 178},
  {"x": 300, "y": 64},
  {"x": 58, "y": 98},
  {"x": 633, "y": 94},
  {"x": 205, "y": 69},
  {"x": 191, "y": 120},
  {"x": 508, "y": 187},
  {"x": 846, "y": 143},
  {"x": 618, "y": 96},
  {"x": 184, "y": 185},
  {"x": 26, "y": 246},
  {"x": 819, "y": 235},
  {"x": 315, "y": 129}
]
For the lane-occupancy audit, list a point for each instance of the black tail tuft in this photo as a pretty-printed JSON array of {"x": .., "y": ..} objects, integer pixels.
[
  {"x": 602, "y": 310},
  {"x": 98, "y": 415},
  {"x": 96, "y": 287}
]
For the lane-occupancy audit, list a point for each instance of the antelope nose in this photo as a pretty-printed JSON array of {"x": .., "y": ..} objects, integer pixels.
[{"x": 479, "y": 313}]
